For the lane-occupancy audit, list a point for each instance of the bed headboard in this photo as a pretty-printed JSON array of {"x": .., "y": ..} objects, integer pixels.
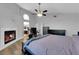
[{"x": 57, "y": 32}]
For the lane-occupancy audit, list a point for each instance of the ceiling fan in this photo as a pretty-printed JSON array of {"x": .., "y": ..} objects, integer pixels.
[{"x": 39, "y": 12}]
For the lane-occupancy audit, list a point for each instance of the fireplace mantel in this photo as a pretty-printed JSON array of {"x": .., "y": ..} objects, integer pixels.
[{"x": 2, "y": 42}]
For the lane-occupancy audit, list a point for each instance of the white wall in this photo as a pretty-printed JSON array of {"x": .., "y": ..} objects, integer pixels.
[
  {"x": 69, "y": 22},
  {"x": 11, "y": 16}
]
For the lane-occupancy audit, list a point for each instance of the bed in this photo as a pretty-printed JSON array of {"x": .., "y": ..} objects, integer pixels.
[{"x": 52, "y": 45}]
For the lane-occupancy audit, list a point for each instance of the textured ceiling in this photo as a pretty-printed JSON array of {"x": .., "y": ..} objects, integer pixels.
[{"x": 52, "y": 7}]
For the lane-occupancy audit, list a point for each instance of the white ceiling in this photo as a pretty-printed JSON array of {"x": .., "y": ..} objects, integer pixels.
[{"x": 53, "y": 7}]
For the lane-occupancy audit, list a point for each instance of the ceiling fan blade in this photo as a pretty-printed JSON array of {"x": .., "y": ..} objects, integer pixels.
[
  {"x": 44, "y": 11},
  {"x": 44, "y": 14},
  {"x": 36, "y": 10}
]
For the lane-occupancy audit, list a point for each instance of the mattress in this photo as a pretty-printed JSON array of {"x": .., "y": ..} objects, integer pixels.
[{"x": 50, "y": 45}]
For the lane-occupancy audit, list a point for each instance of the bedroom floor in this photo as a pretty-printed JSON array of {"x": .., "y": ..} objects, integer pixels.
[{"x": 14, "y": 49}]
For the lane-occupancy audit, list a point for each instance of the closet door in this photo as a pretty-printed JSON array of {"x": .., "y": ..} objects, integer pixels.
[{"x": 45, "y": 30}]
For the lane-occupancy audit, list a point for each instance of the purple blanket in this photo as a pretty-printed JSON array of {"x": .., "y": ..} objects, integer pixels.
[{"x": 54, "y": 45}]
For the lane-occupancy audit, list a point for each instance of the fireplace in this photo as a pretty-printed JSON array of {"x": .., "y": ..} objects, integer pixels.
[{"x": 9, "y": 36}]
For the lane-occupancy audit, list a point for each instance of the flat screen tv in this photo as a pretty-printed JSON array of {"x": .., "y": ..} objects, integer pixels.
[{"x": 57, "y": 32}]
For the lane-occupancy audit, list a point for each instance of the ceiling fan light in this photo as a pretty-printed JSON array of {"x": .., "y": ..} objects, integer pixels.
[{"x": 39, "y": 14}]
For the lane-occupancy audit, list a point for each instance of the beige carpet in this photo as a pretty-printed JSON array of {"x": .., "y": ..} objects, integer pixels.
[{"x": 14, "y": 49}]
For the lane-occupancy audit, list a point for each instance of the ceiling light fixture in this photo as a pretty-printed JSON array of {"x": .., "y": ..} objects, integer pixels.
[{"x": 39, "y": 12}]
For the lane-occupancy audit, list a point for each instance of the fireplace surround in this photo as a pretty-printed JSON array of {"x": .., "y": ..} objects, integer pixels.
[{"x": 8, "y": 36}]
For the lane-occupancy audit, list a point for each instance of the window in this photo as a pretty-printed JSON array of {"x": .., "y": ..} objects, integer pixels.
[
  {"x": 26, "y": 17},
  {"x": 26, "y": 21}
]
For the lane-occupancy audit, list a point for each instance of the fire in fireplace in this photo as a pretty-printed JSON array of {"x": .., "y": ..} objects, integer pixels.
[{"x": 9, "y": 36}]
